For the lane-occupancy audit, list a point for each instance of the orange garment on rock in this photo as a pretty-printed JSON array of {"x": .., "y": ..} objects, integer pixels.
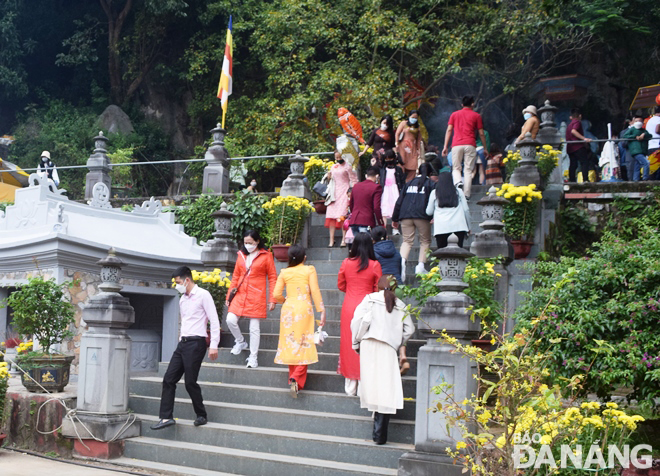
[{"x": 350, "y": 124}]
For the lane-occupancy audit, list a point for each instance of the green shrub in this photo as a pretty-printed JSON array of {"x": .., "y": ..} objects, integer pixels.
[
  {"x": 250, "y": 215},
  {"x": 195, "y": 216}
]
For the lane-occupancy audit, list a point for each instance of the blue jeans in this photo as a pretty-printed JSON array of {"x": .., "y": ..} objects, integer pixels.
[
  {"x": 640, "y": 161},
  {"x": 359, "y": 229}
]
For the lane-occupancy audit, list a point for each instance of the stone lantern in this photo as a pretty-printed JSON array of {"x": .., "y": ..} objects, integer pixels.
[
  {"x": 216, "y": 172},
  {"x": 295, "y": 184},
  {"x": 549, "y": 134},
  {"x": 220, "y": 252},
  {"x": 436, "y": 364},
  {"x": 98, "y": 165},
  {"x": 492, "y": 242},
  {"x": 105, "y": 352},
  {"x": 527, "y": 172}
]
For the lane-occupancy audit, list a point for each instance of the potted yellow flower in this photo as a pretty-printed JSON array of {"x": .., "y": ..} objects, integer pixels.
[
  {"x": 286, "y": 224},
  {"x": 315, "y": 170},
  {"x": 520, "y": 216}
]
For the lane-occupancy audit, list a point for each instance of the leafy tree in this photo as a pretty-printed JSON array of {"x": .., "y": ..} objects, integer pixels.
[{"x": 15, "y": 45}]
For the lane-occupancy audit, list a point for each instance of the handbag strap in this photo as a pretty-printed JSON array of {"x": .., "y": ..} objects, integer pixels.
[{"x": 247, "y": 271}]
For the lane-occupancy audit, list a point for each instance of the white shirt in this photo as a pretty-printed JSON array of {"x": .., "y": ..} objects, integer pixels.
[
  {"x": 197, "y": 309},
  {"x": 650, "y": 127}
]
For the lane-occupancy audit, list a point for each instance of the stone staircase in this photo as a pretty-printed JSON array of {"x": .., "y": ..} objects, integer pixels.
[{"x": 255, "y": 427}]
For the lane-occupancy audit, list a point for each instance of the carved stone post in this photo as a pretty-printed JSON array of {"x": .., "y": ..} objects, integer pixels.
[
  {"x": 295, "y": 185},
  {"x": 436, "y": 364},
  {"x": 216, "y": 172},
  {"x": 220, "y": 252},
  {"x": 527, "y": 172},
  {"x": 548, "y": 134},
  {"x": 98, "y": 165},
  {"x": 103, "y": 375}
]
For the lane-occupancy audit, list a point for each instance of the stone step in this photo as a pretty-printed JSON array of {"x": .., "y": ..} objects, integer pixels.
[
  {"x": 265, "y": 416},
  {"x": 331, "y": 344},
  {"x": 155, "y": 467},
  {"x": 239, "y": 461},
  {"x": 277, "y": 377},
  {"x": 277, "y": 397},
  {"x": 327, "y": 361},
  {"x": 271, "y": 325},
  {"x": 278, "y": 442}
]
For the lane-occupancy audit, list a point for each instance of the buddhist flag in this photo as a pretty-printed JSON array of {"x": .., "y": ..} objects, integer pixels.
[{"x": 224, "y": 88}]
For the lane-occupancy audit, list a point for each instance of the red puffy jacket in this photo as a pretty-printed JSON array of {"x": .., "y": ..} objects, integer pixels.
[{"x": 251, "y": 299}]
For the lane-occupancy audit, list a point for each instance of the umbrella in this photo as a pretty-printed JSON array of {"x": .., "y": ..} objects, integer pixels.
[{"x": 12, "y": 175}]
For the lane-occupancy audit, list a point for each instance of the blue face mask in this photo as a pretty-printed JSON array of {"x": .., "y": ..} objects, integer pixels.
[
  {"x": 413, "y": 120},
  {"x": 527, "y": 115}
]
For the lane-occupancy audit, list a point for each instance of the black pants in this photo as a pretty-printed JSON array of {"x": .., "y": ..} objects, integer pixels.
[
  {"x": 186, "y": 359},
  {"x": 581, "y": 156},
  {"x": 381, "y": 422},
  {"x": 441, "y": 240}
]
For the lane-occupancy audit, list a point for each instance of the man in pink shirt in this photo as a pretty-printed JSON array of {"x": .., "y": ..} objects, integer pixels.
[
  {"x": 197, "y": 308},
  {"x": 464, "y": 124}
]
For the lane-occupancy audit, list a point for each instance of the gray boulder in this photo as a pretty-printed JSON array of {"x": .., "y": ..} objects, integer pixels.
[{"x": 115, "y": 121}]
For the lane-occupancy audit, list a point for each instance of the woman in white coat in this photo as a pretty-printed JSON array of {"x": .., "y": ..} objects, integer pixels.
[
  {"x": 379, "y": 327},
  {"x": 449, "y": 209}
]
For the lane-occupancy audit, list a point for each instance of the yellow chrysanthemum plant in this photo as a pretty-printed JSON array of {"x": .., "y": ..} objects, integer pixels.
[
  {"x": 216, "y": 282},
  {"x": 519, "y": 405},
  {"x": 547, "y": 159},
  {"x": 4, "y": 384},
  {"x": 315, "y": 169},
  {"x": 287, "y": 218},
  {"x": 521, "y": 211}
]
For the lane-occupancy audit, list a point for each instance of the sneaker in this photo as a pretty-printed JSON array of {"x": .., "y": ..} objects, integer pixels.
[
  {"x": 420, "y": 269},
  {"x": 252, "y": 362},
  {"x": 403, "y": 270},
  {"x": 239, "y": 347},
  {"x": 459, "y": 185},
  {"x": 293, "y": 389},
  {"x": 395, "y": 232}
]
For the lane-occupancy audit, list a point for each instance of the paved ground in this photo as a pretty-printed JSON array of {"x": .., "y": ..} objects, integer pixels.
[{"x": 13, "y": 463}]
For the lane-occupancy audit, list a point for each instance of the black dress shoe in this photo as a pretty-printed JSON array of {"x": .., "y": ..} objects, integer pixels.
[
  {"x": 200, "y": 421},
  {"x": 163, "y": 424}
]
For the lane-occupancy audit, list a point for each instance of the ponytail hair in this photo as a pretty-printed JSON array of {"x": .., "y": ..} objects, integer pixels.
[{"x": 387, "y": 283}]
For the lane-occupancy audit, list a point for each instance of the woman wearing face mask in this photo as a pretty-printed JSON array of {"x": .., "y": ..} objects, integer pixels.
[
  {"x": 382, "y": 140},
  {"x": 392, "y": 180},
  {"x": 296, "y": 346},
  {"x": 408, "y": 144},
  {"x": 344, "y": 177},
  {"x": 532, "y": 123},
  {"x": 254, "y": 270},
  {"x": 253, "y": 186}
]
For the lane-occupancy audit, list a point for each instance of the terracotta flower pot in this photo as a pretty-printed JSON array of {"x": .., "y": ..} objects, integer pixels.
[
  {"x": 521, "y": 248},
  {"x": 281, "y": 252},
  {"x": 319, "y": 207},
  {"x": 51, "y": 371}
]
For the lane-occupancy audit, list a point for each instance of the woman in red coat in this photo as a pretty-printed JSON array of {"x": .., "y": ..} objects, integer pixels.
[
  {"x": 254, "y": 269},
  {"x": 358, "y": 276}
]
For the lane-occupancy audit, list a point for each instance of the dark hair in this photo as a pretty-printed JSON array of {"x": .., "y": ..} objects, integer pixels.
[
  {"x": 425, "y": 170},
  {"x": 296, "y": 255},
  {"x": 575, "y": 112},
  {"x": 373, "y": 171},
  {"x": 414, "y": 111},
  {"x": 387, "y": 283},
  {"x": 389, "y": 122},
  {"x": 468, "y": 101},
  {"x": 182, "y": 272},
  {"x": 656, "y": 110},
  {"x": 379, "y": 234},
  {"x": 254, "y": 234},
  {"x": 446, "y": 195},
  {"x": 389, "y": 154},
  {"x": 495, "y": 149},
  {"x": 362, "y": 248},
  {"x": 638, "y": 116}
]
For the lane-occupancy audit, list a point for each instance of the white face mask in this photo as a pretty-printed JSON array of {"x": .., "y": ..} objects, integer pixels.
[
  {"x": 413, "y": 120},
  {"x": 638, "y": 125},
  {"x": 181, "y": 288},
  {"x": 44, "y": 159},
  {"x": 527, "y": 115},
  {"x": 253, "y": 184},
  {"x": 250, "y": 248},
  {"x": 383, "y": 127}
]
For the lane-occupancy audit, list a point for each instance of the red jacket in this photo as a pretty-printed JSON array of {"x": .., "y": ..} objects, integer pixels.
[
  {"x": 251, "y": 299},
  {"x": 365, "y": 203}
]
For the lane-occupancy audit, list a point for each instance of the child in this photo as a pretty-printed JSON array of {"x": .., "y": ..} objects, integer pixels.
[
  {"x": 494, "y": 174},
  {"x": 392, "y": 179},
  {"x": 348, "y": 239}
]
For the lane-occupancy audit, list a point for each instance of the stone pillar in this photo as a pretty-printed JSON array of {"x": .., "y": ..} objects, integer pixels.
[
  {"x": 216, "y": 172},
  {"x": 548, "y": 134},
  {"x": 527, "y": 172},
  {"x": 295, "y": 185},
  {"x": 103, "y": 374},
  {"x": 492, "y": 242},
  {"x": 4, "y": 294},
  {"x": 436, "y": 364},
  {"x": 98, "y": 165},
  {"x": 220, "y": 252}
]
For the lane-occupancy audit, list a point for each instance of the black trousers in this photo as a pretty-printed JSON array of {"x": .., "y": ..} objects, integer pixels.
[
  {"x": 581, "y": 156},
  {"x": 381, "y": 422},
  {"x": 186, "y": 359},
  {"x": 441, "y": 240}
]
